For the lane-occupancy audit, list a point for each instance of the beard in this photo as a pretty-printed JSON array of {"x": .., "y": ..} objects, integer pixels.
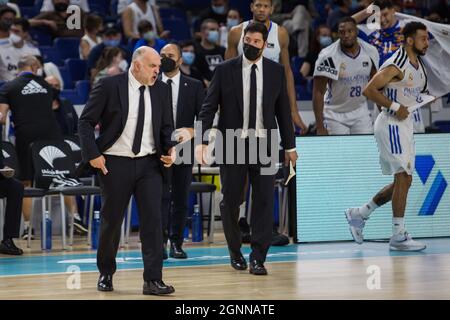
[{"x": 420, "y": 52}]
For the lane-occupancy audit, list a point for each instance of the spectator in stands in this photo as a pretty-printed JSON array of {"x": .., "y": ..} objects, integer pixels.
[
  {"x": 343, "y": 10},
  {"x": 208, "y": 53},
  {"x": 57, "y": 21},
  {"x": 48, "y": 5},
  {"x": 9, "y": 54},
  {"x": 218, "y": 11},
  {"x": 109, "y": 64},
  {"x": 20, "y": 38},
  {"x": 47, "y": 69},
  {"x": 233, "y": 19},
  {"x": 12, "y": 6},
  {"x": 299, "y": 26},
  {"x": 137, "y": 11},
  {"x": 322, "y": 39},
  {"x": 111, "y": 38},
  {"x": 92, "y": 26},
  {"x": 149, "y": 37},
  {"x": 63, "y": 109},
  {"x": 12, "y": 190},
  {"x": 30, "y": 100},
  {"x": 187, "y": 67}
]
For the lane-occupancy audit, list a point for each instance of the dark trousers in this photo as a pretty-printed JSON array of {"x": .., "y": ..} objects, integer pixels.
[
  {"x": 176, "y": 203},
  {"x": 233, "y": 182},
  {"x": 12, "y": 191},
  {"x": 142, "y": 178}
]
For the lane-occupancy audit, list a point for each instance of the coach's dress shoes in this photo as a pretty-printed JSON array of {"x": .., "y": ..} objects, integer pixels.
[
  {"x": 257, "y": 268},
  {"x": 157, "y": 287},
  {"x": 105, "y": 283},
  {"x": 238, "y": 262},
  {"x": 177, "y": 252}
]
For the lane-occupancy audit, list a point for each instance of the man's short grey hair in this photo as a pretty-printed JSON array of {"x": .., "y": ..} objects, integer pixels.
[
  {"x": 27, "y": 61},
  {"x": 138, "y": 53}
]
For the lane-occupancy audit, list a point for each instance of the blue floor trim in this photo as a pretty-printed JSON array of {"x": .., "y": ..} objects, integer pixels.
[{"x": 131, "y": 260}]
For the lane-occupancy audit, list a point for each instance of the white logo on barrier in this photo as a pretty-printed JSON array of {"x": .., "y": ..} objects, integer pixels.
[
  {"x": 73, "y": 282},
  {"x": 50, "y": 154},
  {"x": 374, "y": 280}
]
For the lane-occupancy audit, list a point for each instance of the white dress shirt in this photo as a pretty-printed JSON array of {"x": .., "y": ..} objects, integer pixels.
[
  {"x": 246, "y": 73},
  {"x": 175, "y": 91},
  {"x": 123, "y": 146}
]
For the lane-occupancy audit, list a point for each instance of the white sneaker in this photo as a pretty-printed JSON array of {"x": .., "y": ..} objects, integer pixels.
[
  {"x": 356, "y": 224},
  {"x": 404, "y": 242}
]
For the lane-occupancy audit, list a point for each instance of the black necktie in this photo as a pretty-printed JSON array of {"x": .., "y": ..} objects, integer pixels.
[
  {"x": 170, "y": 82},
  {"x": 252, "y": 113},
  {"x": 140, "y": 123}
]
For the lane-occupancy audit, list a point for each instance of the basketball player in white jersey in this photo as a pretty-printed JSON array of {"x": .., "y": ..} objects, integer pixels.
[
  {"x": 403, "y": 79},
  {"x": 341, "y": 73},
  {"x": 277, "y": 49}
]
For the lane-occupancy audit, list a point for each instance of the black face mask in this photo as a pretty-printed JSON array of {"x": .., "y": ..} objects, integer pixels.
[
  {"x": 61, "y": 7},
  {"x": 56, "y": 93},
  {"x": 168, "y": 65},
  {"x": 251, "y": 53}
]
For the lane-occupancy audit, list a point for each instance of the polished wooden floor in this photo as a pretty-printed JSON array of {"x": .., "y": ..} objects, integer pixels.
[{"x": 424, "y": 276}]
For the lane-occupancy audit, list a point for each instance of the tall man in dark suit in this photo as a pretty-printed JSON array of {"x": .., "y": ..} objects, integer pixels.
[
  {"x": 251, "y": 92},
  {"x": 187, "y": 98},
  {"x": 12, "y": 190},
  {"x": 135, "y": 137}
]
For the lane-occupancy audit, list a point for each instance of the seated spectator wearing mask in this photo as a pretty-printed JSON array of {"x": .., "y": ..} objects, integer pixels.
[
  {"x": 187, "y": 67},
  {"x": 149, "y": 37},
  {"x": 110, "y": 63},
  {"x": 233, "y": 19},
  {"x": 63, "y": 109},
  {"x": 92, "y": 26},
  {"x": 111, "y": 38},
  {"x": 20, "y": 38},
  {"x": 11, "y": 190},
  {"x": 322, "y": 39},
  {"x": 218, "y": 11},
  {"x": 57, "y": 21}
]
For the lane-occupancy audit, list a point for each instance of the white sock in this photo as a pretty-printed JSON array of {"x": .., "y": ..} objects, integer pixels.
[
  {"x": 367, "y": 209},
  {"x": 398, "y": 225},
  {"x": 26, "y": 224},
  {"x": 242, "y": 210},
  {"x": 76, "y": 215}
]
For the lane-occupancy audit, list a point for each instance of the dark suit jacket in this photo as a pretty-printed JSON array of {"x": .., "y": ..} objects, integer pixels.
[
  {"x": 108, "y": 105},
  {"x": 226, "y": 90},
  {"x": 190, "y": 98}
]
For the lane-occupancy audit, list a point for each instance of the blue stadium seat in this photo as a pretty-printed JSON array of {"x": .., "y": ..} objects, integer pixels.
[
  {"x": 71, "y": 95},
  {"x": 303, "y": 93},
  {"x": 444, "y": 126},
  {"x": 179, "y": 29},
  {"x": 42, "y": 36},
  {"x": 28, "y": 12},
  {"x": 51, "y": 54},
  {"x": 2, "y": 83},
  {"x": 83, "y": 88},
  {"x": 296, "y": 63},
  {"x": 65, "y": 74},
  {"x": 172, "y": 13},
  {"x": 244, "y": 8},
  {"x": 196, "y": 4},
  {"x": 77, "y": 69},
  {"x": 68, "y": 47},
  {"x": 99, "y": 7},
  {"x": 24, "y": 3}
]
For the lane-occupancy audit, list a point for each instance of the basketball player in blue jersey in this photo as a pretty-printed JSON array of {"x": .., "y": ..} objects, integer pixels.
[
  {"x": 277, "y": 49},
  {"x": 403, "y": 79},
  {"x": 387, "y": 40}
]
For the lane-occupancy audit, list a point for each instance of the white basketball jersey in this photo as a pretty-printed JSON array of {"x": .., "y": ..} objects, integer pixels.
[
  {"x": 345, "y": 94},
  {"x": 273, "y": 49},
  {"x": 408, "y": 91}
]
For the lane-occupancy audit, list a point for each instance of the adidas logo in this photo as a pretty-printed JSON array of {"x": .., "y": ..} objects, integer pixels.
[
  {"x": 5, "y": 154},
  {"x": 50, "y": 154},
  {"x": 33, "y": 87},
  {"x": 328, "y": 66}
]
